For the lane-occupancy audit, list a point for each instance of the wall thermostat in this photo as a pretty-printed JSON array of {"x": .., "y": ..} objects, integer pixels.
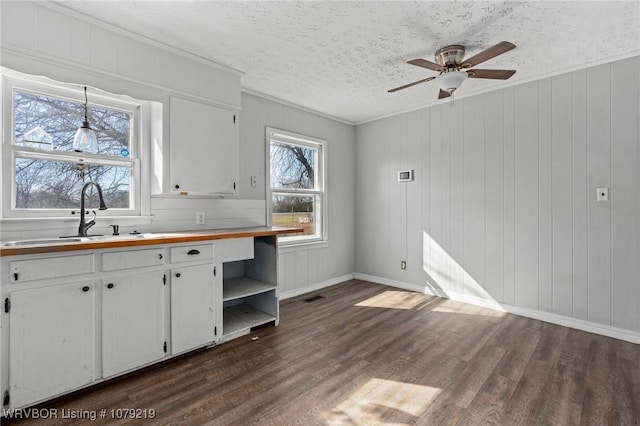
[{"x": 405, "y": 175}]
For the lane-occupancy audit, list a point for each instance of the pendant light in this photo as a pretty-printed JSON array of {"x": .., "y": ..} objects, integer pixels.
[{"x": 85, "y": 139}]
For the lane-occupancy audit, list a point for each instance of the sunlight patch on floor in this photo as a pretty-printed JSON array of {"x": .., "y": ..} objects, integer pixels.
[
  {"x": 452, "y": 307},
  {"x": 384, "y": 402},
  {"x": 392, "y": 299}
]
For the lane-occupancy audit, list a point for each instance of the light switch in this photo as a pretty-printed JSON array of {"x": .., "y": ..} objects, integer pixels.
[{"x": 603, "y": 194}]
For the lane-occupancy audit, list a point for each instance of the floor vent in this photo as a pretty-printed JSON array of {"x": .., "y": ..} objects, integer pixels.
[{"x": 314, "y": 298}]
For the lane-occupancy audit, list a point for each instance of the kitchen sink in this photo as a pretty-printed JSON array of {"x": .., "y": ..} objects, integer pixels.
[
  {"x": 43, "y": 241},
  {"x": 91, "y": 238},
  {"x": 117, "y": 237}
]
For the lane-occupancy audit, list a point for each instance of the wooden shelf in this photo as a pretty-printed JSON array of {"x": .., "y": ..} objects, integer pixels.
[
  {"x": 243, "y": 317},
  {"x": 236, "y": 288}
]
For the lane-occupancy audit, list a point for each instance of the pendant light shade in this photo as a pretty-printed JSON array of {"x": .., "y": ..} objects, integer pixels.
[{"x": 85, "y": 139}]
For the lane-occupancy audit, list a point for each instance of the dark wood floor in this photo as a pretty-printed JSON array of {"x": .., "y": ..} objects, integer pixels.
[{"x": 370, "y": 354}]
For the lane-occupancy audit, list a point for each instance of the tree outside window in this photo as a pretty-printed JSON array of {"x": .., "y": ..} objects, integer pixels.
[
  {"x": 296, "y": 185},
  {"x": 47, "y": 173}
]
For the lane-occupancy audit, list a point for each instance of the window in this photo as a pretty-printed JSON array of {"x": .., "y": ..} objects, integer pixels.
[
  {"x": 295, "y": 193},
  {"x": 46, "y": 174}
]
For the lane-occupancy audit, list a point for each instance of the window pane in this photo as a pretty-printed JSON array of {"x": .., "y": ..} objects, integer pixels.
[
  {"x": 47, "y": 184},
  {"x": 292, "y": 166},
  {"x": 39, "y": 115},
  {"x": 298, "y": 211}
]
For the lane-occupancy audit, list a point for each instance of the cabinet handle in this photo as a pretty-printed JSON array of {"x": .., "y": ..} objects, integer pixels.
[
  {"x": 177, "y": 274},
  {"x": 160, "y": 256},
  {"x": 177, "y": 186},
  {"x": 194, "y": 251},
  {"x": 110, "y": 285},
  {"x": 85, "y": 288},
  {"x": 15, "y": 276}
]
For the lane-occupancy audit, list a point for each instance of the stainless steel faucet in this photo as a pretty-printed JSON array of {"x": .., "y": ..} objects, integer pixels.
[{"x": 84, "y": 226}]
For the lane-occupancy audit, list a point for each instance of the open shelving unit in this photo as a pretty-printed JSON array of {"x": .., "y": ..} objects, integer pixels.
[{"x": 249, "y": 290}]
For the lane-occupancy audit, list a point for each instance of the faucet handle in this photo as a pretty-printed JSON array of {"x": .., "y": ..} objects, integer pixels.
[{"x": 115, "y": 229}]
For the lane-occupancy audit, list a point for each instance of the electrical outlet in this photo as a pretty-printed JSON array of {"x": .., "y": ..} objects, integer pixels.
[
  {"x": 199, "y": 218},
  {"x": 603, "y": 194},
  {"x": 403, "y": 264}
]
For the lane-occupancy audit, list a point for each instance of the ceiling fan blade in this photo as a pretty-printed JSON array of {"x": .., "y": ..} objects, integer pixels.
[
  {"x": 485, "y": 55},
  {"x": 443, "y": 94},
  {"x": 496, "y": 74},
  {"x": 410, "y": 84},
  {"x": 426, "y": 64}
]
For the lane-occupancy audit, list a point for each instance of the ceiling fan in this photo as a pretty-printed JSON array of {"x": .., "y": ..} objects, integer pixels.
[{"x": 454, "y": 70}]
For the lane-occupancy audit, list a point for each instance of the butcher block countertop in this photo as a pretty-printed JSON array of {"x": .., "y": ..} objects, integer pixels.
[{"x": 52, "y": 245}]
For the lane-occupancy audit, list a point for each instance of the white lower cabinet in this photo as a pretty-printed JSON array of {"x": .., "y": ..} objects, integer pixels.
[
  {"x": 51, "y": 341},
  {"x": 70, "y": 320},
  {"x": 249, "y": 290},
  {"x": 193, "y": 306},
  {"x": 132, "y": 321}
]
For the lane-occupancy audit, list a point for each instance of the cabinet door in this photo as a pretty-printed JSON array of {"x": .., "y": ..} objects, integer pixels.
[
  {"x": 204, "y": 148},
  {"x": 51, "y": 341},
  {"x": 193, "y": 309},
  {"x": 132, "y": 321}
]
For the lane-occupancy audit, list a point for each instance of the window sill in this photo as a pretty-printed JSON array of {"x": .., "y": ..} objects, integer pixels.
[{"x": 297, "y": 246}]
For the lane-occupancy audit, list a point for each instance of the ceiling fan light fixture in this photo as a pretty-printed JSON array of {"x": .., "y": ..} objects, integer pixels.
[{"x": 450, "y": 81}]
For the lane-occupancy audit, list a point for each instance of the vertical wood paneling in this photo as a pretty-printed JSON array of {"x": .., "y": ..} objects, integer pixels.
[
  {"x": 625, "y": 189},
  {"x": 526, "y": 196},
  {"x": 456, "y": 152},
  {"x": 53, "y": 33},
  {"x": 312, "y": 269},
  {"x": 507, "y": 189},
  {"x": 415, "y": 132},
  {"x": 545, "y": 226},
  {"x": 435, "y": 194},
  {"x": 580, "y": 199},
  {"x": 14, "y": 32},
  {"x": 562, "y": 194},
  {"x": 474, "y": 192},
  {"x": 599, "y": 216},
  {"x": 494, "y": 195},
  {"x": 426, "y": 183},
  {"x": 301, "y": 269},
  {"x": 509, "y": 195},
  {"x": 394, "y": 208},
  {"x": 447, "y": 261},
  {"x": 289, "y": 271}
]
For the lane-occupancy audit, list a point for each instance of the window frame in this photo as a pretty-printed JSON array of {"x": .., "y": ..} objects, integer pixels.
[
  {"x": 320, "y": 191},
  {"x": 12, "y": 82}
]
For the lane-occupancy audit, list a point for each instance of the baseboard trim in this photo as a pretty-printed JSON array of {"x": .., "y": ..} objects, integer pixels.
[
  {"x": 313, "y": 287},
  {"x": 578, "y": 324},
  {"x": 392, "y": 283}
]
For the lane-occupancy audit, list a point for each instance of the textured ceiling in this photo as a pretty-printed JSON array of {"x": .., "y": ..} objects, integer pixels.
[{"x": 340, "y": 58}]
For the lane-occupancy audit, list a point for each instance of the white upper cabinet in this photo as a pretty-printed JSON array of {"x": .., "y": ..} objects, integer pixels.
[{"x": 204, "y": 148}]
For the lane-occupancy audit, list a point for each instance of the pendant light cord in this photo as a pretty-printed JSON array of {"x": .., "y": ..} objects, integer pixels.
[{"x": 86, "y": 101}]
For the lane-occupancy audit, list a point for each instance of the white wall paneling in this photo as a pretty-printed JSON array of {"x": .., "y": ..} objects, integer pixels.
[
  {"x": 304, "y": 267},
  {"x": 39, "y": 39},
  {"x": 507, "y": 192},
  {"x": 179, "y": 213}
]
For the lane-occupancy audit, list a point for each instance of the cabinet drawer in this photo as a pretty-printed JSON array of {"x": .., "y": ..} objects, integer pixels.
[
  {"x": 132, "y": 259},
  {"x": 53, "y": 267},
  {"x": 236, "y": 249},
  {"x": 189, "y": 253}
]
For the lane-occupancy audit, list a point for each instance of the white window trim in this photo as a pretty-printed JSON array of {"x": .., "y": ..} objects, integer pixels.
[
  {"x": 312, "y": 142},
  {"x": 11, "y": 80}
]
